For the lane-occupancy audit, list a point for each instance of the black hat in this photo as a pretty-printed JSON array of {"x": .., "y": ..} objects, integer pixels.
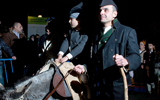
[
  {"x": 75, "y": 11},
  {"x": 151, "y": 41},
  {"x": 108, "y": 2}
]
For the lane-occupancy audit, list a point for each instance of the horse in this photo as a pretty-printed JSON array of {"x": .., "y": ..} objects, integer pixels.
[
  {"x": 40, "y": 85},
  {"x": 33, "y": 88}
]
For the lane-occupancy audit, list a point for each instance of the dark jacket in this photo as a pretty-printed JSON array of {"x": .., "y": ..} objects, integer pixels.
[
  {"x": 41, "y": 41},
  {"x": 6, "y": 48},
  {"x": 76, "y": 40},
  {"x": 149, "y": 66},
  {"x": 123, "y": 41}
]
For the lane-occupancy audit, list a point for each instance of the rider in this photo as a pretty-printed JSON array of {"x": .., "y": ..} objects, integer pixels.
[{"x": 75, "y": 41}]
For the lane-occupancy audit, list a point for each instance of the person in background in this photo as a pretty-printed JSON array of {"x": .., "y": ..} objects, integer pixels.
[
  {"x": 149, "y": 58},
  {"x": 37, "y": 36},
  {"x": 37, "y": 40},
  {"x": 32, "y": 64},
  {"x": 8, "y": 50},
  {"x": 32, "y": 38},
  {"x": 17, "y": 41},
  {"x": 139, "y": 72},
  {"x": 16, "y": 33},
  {"x": 75, "y": 40},
  {"x": 10, "y": 28},
  {"x": 43, "y": 38}
]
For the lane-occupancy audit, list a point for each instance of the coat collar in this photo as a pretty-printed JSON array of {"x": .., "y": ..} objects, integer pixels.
[
  {"x": 21, "y": 35},
  {"x": 116, "y": 23},
  {"x": 114, "y": 36}
]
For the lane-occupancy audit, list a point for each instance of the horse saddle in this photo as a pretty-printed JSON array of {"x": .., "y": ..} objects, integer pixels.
[
  {"x": 62, "y": 90},
  {"x": 71, "y": 86}
]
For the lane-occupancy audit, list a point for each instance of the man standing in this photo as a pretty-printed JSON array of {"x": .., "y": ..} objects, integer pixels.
[
  {"x": 15, "y": 40},
  {"x": 114, "y": 38},
  {"x": 149, "y": 58},
  {"x": 16, "y": 33},
  {"x": 43, "y": 38}
]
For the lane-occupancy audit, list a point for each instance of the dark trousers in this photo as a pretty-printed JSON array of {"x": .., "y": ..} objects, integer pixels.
[{"x": 112, "y": 93}]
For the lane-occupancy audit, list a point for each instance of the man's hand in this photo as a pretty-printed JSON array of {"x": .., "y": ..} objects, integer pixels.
[
  {"x": 79, "y": 69},
  {"x": 64, "y": 59},
  {"x": 120, "y": 60},
  {"x": 14, "y": 57},
  {"x": 59, "y": 58}
]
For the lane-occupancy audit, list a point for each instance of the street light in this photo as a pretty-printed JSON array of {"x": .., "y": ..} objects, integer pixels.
[{"x": 40, "y": 16}]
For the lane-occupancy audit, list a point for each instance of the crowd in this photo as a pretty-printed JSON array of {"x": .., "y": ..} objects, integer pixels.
[
  {"x": 146, "y": 77},
  {"x": 25, "y": 52},
  {"x": 116, "y": 45}
]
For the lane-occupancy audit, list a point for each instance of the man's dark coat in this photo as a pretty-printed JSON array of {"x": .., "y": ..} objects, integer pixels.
[
  {"x": 76, "y": 40},
  {"x": 6, "y": 48},
  {"x": 123, "y": 41}
]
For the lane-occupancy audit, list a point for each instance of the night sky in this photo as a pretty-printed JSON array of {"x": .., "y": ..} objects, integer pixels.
[{"x": 142, "y": 15}]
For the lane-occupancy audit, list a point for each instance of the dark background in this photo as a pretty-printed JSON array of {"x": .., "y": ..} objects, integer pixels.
[{"x": 142, "y": 15}]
